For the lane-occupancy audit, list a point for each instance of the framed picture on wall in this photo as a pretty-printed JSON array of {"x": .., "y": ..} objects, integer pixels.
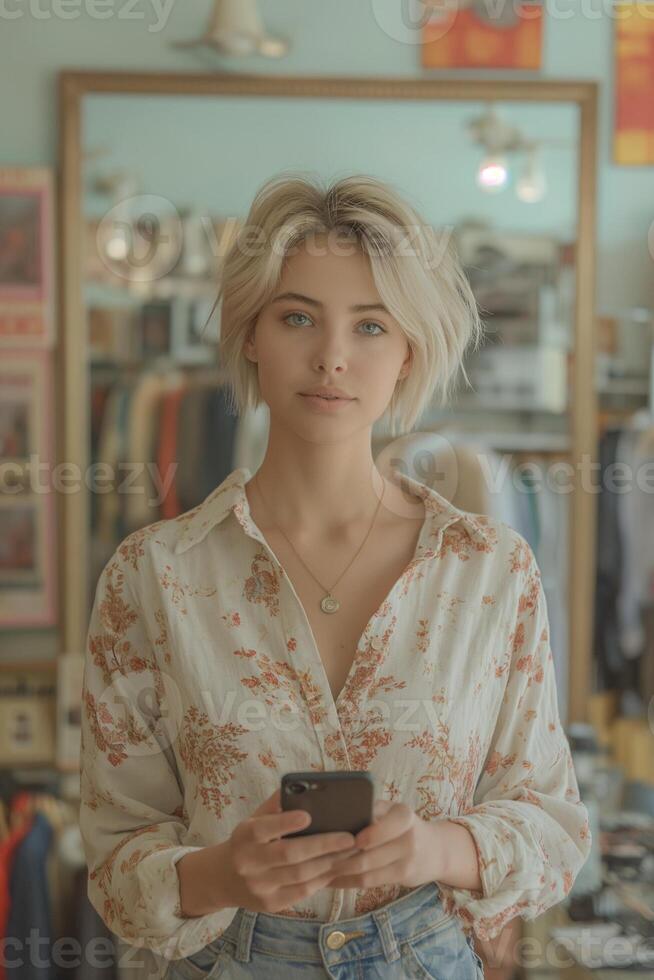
[
  {"x": 26, "y": 257},
  {"x": 28, "y": 704},
  {"x": 506, "y": 35},
  {"x": 633, "y": 138},
  {"x": 27, "y": 499}
]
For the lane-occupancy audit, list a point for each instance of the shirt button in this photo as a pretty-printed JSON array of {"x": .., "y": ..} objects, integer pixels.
[
  {"x": 377, "y": 644},
  {"x": 335, "y": 939}
]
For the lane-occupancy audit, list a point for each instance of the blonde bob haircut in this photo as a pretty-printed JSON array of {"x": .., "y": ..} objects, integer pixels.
[{"x": 415, "y": 270}]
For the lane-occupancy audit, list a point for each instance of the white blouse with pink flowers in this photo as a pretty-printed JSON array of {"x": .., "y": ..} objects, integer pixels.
[{"x": 203, "y": 684}]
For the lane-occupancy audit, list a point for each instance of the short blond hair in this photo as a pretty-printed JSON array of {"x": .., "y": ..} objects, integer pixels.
[{"x": 415, "y": 270}]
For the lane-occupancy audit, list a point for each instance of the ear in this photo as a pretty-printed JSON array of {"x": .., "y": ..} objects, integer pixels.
[
  {"x": 249, "y": 347},
  {"x": 405, "y": 370}
]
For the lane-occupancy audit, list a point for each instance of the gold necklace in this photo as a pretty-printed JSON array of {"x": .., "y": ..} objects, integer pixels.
[{"x": 328, "y": 603}]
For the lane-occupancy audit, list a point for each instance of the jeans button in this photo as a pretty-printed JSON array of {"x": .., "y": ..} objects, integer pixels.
[{"x": 335, "y": 939}]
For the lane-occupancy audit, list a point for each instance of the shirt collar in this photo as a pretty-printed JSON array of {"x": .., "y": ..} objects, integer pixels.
[{"x": 230, "y": 496}]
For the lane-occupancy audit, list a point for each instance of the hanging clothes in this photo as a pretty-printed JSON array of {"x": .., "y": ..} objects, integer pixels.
[
  {"x": 8, "y": 847},
  {"x": 99, "y": 398},
  {"x": 167, "y": 451},
  {"x": 552, "y": 555},
  {"x": 182, "y": 422},
  {"x": 625, "y": 560},
  {"x": 111, "y": 453},
  {"x": 630, "y": 511},
  {"x": 218, "y": 435},
  {"x": 610, "y": 661},
  {"x": 192, "y": 413},
  {"x": 635, "y": 594},
  {"x": 141, "y": 504},
  {"x": 30, "y": 913}
]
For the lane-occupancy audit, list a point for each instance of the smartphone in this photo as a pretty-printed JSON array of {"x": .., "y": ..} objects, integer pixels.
[{"x": 339, "y": 800}]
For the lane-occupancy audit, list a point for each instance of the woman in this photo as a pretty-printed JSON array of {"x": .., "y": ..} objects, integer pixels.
[{"x": 320, "y": 615}]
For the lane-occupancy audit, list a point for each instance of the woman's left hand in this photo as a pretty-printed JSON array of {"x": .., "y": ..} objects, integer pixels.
[{"x": 397, "y": 848}]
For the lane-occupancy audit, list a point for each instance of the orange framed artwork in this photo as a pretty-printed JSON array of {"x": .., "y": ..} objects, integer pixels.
[
  {"x": 28, "y": 533},
  {"x": 26, "y": 257},
  {"x": 633, "y": 140},
  {"x": 510, "y": 37}
]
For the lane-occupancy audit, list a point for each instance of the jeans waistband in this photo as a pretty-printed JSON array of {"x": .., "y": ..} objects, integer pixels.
[{"x": 384, "y": 929}]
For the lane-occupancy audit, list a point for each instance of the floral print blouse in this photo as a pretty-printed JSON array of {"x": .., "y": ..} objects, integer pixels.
[{"x": 203, "y": 684}]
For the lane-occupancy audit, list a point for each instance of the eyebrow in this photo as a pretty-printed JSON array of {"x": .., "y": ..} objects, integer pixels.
[{"x": 358, "y": 308}]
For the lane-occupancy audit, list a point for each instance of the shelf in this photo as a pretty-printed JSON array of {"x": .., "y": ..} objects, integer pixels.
[
  {"x": 21, "y": 666},
  {"x": 624, "y": 386},
  {"x": 163, "y": 363},
  {"x": 168, "y": 287}
]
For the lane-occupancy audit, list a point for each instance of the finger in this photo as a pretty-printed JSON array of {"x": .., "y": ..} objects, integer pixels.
[
  {"x": 388, "y": 875},
  {"x": 289, "y": 895},
  {"x": 267, "y": 882},
  {"x": 392, "y": 824},
  {"x": 378, "y": 857},
  {"x": 271, "y": 826},
  {"x": 272, "y": 805},
  {"x": 295, "y": 850}
]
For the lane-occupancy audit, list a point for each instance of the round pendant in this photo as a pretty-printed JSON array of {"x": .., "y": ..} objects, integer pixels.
[{"x": 329, "y": 604}]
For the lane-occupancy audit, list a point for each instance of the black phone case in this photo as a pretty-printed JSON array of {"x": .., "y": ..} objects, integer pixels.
[{"x": 337, "y": 800}]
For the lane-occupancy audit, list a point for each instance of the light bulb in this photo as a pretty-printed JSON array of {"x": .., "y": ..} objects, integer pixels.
[
  {"x": 532, "y": 185},
  {"x": 493, "y": 173}
]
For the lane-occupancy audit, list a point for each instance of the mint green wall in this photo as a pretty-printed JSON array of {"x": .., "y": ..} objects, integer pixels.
[
  {"x": 213, "y": 154},
  {"x": 365, "y": 37}
]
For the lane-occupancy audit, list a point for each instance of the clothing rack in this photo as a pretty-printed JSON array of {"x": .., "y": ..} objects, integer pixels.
[{"x": 21, "y": 799}]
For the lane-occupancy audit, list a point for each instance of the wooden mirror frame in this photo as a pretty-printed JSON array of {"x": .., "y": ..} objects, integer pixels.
[{"x": 72, "y": 363}]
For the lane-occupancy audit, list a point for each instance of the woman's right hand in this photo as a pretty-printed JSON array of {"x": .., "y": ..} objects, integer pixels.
[{"x": 265, "y": 872}]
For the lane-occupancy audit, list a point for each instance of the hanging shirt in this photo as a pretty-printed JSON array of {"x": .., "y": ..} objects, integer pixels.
[
  {"x": 203, "y": 684},
  {"x": 8, "y": 847}
]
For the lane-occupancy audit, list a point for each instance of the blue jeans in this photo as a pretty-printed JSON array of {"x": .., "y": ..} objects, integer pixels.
[{"x": 408, "y": 939}]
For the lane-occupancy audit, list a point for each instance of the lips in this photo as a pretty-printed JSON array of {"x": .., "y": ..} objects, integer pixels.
[
  {"x": 326, "y": 403},
  {"x": 328, "y": 398},
  {"x": 327, "y": 395}
]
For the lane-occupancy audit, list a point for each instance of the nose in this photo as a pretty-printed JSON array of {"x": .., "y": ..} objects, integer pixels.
[{"x": 330, "y": 355}]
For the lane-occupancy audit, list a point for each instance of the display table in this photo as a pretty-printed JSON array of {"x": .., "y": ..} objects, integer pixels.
[{"x": 544, "y": 957}]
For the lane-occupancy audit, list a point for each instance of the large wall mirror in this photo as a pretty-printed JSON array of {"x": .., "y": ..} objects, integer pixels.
[{"x": 158, "y": 172}]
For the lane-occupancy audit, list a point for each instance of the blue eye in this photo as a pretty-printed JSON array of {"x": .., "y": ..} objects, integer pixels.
[
  {"x": 372, "y": 323},
  {"x": 295, "y": 314},
  {"x": 367, "y": 323}
]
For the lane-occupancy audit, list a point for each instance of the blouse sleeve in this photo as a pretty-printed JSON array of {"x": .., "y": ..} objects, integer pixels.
[
  {"x": 132, "y": 817},
  {"x": 528, "y": 823}
]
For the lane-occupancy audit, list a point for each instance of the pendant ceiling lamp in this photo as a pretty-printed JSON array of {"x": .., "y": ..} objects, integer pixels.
[{"x": 235, "y": 28}]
